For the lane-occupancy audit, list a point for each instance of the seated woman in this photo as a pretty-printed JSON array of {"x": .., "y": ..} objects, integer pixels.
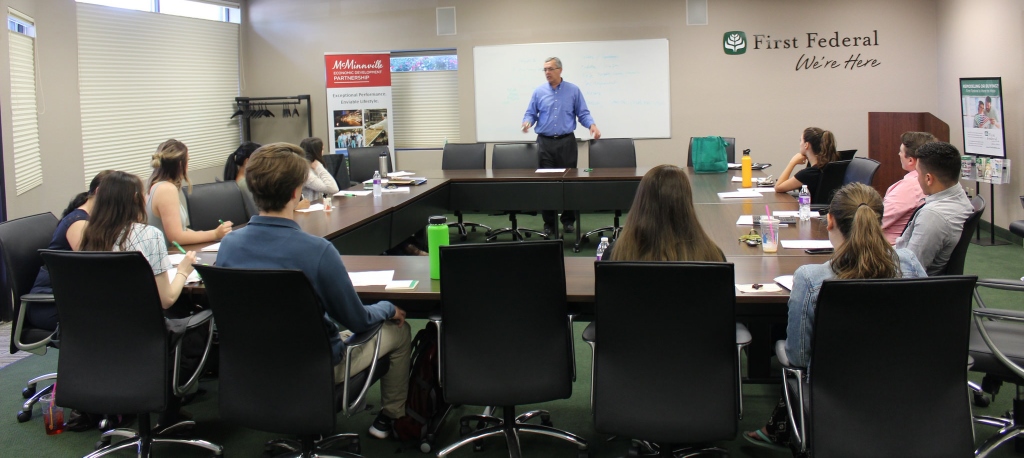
[
  {"x": 904, "y": 196},
  {"x": 662, "y": 224},
  {"x": 234, "y": 169},
  {"x": 854, "y": 224},
  {"x": 67, "y": 237},
  {"x": 320, "y": 181},
  {"x": 166, "y": 208},
  {"x": 817, "y": 148}
]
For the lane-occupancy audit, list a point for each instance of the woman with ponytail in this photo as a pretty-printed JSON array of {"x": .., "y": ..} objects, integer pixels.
[
  {"x": 166, "y": 209},
  {"x": 817, "y": 148},
  {"x": 854, "y": 223},
  {"x": 67, "y": 237}
]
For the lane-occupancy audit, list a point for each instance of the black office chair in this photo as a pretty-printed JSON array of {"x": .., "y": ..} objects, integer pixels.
[
  {"x": 515, "y": 156},
  {"x": 847, "y": 154},
  {"x": 526, "y": 360},
  {"x": 955, "y": 265},
  {"x": 861, "y": 170},
  {"x": 210, "y": 203},
  {"x": 997, "y": 348},
  {"x": 20, "y": 240},
  {"x": 115, "y": 349},
  {"x": 634, "y": 392},
  {"x": 832, "y": 176},
  {"x": 464, "y": 156},
  {"x": 299, "y": 396},
  {"x": 730, "y": 151},
  {"x": 1017, "y": 227},
  {"x": 609, "y": 153},
  {"x": 337, "y": 166},
  {"x": 887, "y": 376},
  {"x": 362, "y": 162}
]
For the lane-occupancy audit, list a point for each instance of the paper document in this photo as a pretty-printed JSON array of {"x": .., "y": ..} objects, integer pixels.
[
  {"x": 744, "y": 194},
  {"x": 805, "y": 244},
  {"x": 784, "y": 213},
  {"x": 401, "y": 285},
  {"x": 396, "y": 190},
  {"x": 739, "y": 179},
  {"x": 758, "y": 189},
  {"x": 371, "y": 278},
  {"x": 761, "y": 288},
  {"x": 786, "y": 281},
  {"x": 550, "y": 170},
  {"x": 353, "y": 193},
  {"x": 214, "y": 247},
  {"x": 312, "y": 208},
  {"x": 400, "y": 174},
  {"x": 176, "y": 258},
  {"x": 748, "y": 220},
  {"x": 192, "y": 277}
]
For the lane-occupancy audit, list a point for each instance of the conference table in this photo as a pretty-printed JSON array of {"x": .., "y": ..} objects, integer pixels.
[{"x": 362, "y": 227}]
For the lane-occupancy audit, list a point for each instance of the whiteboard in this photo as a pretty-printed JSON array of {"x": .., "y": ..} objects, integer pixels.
[{"x": 625, "y": 84}]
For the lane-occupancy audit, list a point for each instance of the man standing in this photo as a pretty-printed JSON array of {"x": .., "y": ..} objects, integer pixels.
[
  {"x": 554, "y": 108},
  {"x": 905, "y": 195},
  {"x": 272, "y": 240},
  {"x": 935, "y": 229}
]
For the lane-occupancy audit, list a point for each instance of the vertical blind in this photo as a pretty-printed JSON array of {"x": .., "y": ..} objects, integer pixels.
[
  {"x": 147, "y": 77},
  {"x": 28, "y": 170},
  {"x": 426, "y": 106}
]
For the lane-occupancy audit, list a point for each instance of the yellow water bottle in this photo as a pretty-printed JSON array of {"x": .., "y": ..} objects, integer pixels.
[{"x": 746, "y": 169}]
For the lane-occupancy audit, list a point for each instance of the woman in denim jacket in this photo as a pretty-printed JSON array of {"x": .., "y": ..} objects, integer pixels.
[{"x": 854, "y": 224}]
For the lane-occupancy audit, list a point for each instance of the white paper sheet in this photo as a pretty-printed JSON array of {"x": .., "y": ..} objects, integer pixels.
[
  {"x": 748, "y": 220},
  {"x": 348, "y": 193},
  {"x": 765, "y": 288},
  {"x": 786, "y": 281},
  {"x": 371, "y": 278},
  {"x": 214, "y": 247},
  {"x": 550, "y": 170},
  {"x": 781, "y": 213},
  {"x": 744, "y": 194},
  {"x": 757, "y": 189},
  {"x": 806, "y": 244},
  {"x": 192, "y": 277},
  {"x": 739, "y": 179},
  {"x": 398, "y": 190},
  {"x": 312, "y": 208},
  {"x": 401, "y": 173}
]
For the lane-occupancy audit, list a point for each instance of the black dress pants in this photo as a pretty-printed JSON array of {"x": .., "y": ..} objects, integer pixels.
[{"x": 557, "y": 153}]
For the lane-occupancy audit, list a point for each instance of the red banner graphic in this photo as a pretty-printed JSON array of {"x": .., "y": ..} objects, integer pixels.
[{"x": 358, "y": 70}]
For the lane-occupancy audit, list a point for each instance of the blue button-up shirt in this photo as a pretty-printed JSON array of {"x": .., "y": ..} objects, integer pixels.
[
  {"x": 278, "y": 243},
  {"x": 554, "y": 110}
]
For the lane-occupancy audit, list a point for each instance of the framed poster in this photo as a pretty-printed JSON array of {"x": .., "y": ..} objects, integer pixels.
[{"x": 981, "y": 108}]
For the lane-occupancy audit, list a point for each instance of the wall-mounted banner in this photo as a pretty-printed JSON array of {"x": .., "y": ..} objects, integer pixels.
[
  {"x": 981, "y": 106},
  {"x": 820, "y": 50},
  {"x": 358, "y": 101}
]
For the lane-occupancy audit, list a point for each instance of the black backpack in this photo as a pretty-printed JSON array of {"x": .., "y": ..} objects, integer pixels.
[{"x": 425, "y": 406}]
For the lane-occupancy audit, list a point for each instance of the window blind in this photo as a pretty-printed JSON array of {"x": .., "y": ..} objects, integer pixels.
[
  {"x": 145, "y": 78},
  {"x": 28, "y": 169},
  {"x": 426, "y": 106}
]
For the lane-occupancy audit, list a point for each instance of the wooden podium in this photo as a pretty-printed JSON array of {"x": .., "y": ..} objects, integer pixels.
[{"x": 884, "y": 130}]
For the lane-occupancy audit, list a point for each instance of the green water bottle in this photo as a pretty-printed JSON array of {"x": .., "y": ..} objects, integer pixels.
[{"x": 437, "y": 236}]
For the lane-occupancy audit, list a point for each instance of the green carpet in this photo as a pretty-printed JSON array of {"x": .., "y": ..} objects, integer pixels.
[{"x": 573, "y": 414}]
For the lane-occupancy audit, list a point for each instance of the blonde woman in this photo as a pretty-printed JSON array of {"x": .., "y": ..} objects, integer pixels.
[{"x": 166, "y": 208}]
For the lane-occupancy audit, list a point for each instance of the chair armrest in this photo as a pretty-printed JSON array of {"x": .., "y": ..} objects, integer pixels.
[
  {"x": 360, "y": 339},
  {"x": 435, "y": 317},
  {"x": 743, "y": 336},
  {"x": 997, "y": 283},
  {"x": 38, "y": 347},
  {"x": 177, "y": 329},
  {"x": 38, "y": 297},
  {"x": 1005, "y": 315},
  {"x": 1000, "y": 314},
  {"x": 780, "y": 352},
  {"x": 199, "y": 319},
  {"x": 590, "y": 333}
]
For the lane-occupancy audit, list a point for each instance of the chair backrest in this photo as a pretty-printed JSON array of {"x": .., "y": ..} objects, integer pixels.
[
  {"x": 464, "y": 156},
  {"x": 730, "y": 150},
  {"x": 335, "y": 164},
  {"x": 272, "y": 319},
  {"x": 657, "y": 347},
  {"x": 612, "y": 152},
  {"x": 515, "y": 156},
  {"x": 888, "y": 369},
  {"x": 847, "y": 154},
  {"x": 528, "y": 359},
  {"x": 860, "y": 170},
  {"x": 955, "y": 265},
  {"x": 362, "y": 162},
  {"x": 209, "y": 203},
  {"x": 20, "y": 242},
  {"x": 114, "y": 354},
  {"x": 832, "y": 176}
]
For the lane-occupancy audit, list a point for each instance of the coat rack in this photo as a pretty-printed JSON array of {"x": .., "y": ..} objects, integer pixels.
[{"x": 248, "y": 108}]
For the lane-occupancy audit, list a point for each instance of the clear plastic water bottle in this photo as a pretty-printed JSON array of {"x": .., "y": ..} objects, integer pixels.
[
  {"x": 601, "y": 247},
  {"x": 376, "y": 184},
  {"x": 805, "y": 203}
]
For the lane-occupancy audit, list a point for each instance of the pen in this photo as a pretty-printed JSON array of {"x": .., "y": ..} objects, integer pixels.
[
  {"x": 220, "y": 221},
  {"x": 182, "y": 250},
  {"x": 349, "y": 195}
]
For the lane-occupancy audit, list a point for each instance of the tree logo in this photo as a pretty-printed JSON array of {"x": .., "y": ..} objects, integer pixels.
[{"x": 734, "y": 43}]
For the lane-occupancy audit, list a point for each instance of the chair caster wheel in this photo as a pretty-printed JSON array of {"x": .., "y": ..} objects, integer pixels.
[
  {"x": 980, "y": 400},
  {"x": 28, "y": 391},
  {"x": 545, "y": 420},
  {"x": 102, "y": 443},
  {"x": 354, "y": 447},
  {"x": 585, "y": 239},
  {"x": 24, "y": 416},
  {"x": 425, "y": 446},
  {"x": 528, "y": 235},
  {"x": 575, "y": 249}
]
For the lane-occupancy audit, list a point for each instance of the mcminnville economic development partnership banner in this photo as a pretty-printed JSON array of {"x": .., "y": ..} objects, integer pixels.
[{"x": 358, "y": 100}]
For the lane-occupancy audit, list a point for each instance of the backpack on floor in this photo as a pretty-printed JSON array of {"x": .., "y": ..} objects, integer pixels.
[{"x": 425, "y": 406}]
